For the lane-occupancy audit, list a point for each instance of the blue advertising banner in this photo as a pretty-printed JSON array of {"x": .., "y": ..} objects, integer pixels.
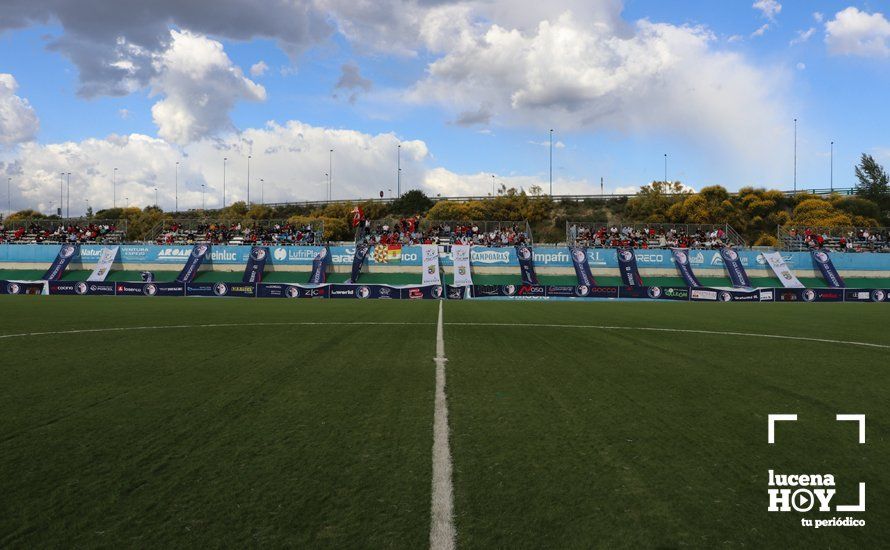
[
  {"x": 81, "y": 288},
  {"x": 684, "y": 268},
  {"x": 320, "y": 264},
  {"x": 237, "y": 290},
  {"x": 256, "y": 264},
  {"x": 63, "y": 258},
  {"x": 737, "y": 273},
  {"x": 358, "y": 261},
  {"x": 582, "y": 268},
  {"x": 192, "y": 263},
  {"x": 526, "y": 264},
  {"x": 826, "y": 267},
  {"x": 149, "y": 289},
  {"x": 627, "y": 265},
  {"x": 20, "y": 287}
]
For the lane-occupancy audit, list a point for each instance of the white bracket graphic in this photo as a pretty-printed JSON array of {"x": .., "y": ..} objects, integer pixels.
[
  {"x": 854, "y": 507},
  {"x": 855, "y": 418},
  {"x": 771, "y": 424}
]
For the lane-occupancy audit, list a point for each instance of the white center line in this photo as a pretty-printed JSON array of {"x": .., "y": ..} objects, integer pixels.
[{"x": 442, "y": 534}]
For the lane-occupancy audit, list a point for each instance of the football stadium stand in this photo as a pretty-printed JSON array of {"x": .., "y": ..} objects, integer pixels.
[
  {"x": 413, "y": 231},
  {"x": 265, "y": 232},
  {"x": 838, "y": 239},
  {"x": 651, "y": 235},
  {"x": 63, "y": 231}
]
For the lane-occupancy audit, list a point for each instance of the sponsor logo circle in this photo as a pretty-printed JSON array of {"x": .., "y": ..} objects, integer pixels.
[
  {"x": 579, "y": 255},
  {"x": 524, "y": 252},
  {"x": 220, "y": 289},
  {"x": 323, "y": 253},
  {"x": 682, "y": 258},
  {"x": 13, "y": 288},
  {"x": 292, "y": 292},
  {"x": 80, "y": 288},
  {"x": 280, "y": 254},
  {"x": 878, "y": 295},
  {"x": 626, "y": 255},
  {"x": 437, "y": 291},
  {"x": 731, "y": 254},
  {"x": 67, "y": 251},
  {"x": 259, "y": 254},
  {"x": 362, "y": 292},
  {"x": 822, "y": 257},
  {"x": 582, "y": 290},
  {"x": 199, "y": 250},
  {"x": 510, "y": 290},
  {"x": 809, "y": 295},
  {"x": 150, "y": 289},
  {"x": 654, "y": 292},
  {"x": 724, "y": 296}
]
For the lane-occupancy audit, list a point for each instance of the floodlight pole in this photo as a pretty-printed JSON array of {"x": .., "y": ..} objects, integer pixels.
[
  {"x": 114, "y": 189},
  {"x": 176, "y": 189},
  {"x": 68, "y": 200},
  {"x": 248, "y": 179},
  {"x": 551, "y": 162},
  {"x": 832, "y": 167},
  {"x": 399, "y": 172},
  {"x": 795, "y": 155},
  {"x": 224, "y": 181}
]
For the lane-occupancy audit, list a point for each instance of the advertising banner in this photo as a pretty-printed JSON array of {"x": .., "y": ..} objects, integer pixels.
[
  {"x": 256, "y": 264},
  {"x": 22, "y": 287},
  {"x": 455, "y": 292},
  {"x": 320, "y": 264},
  {"x": 63, "y": 258},
  {"x": 81, "y": 288},
  {"x": 430, "y": 254},
  {"x": 192, "y": 263},
  {"x": 460, "y": 256},
  {"x": 284, "y": 290},
  {"x": 526, "y": 260},
  {"x": 627, "y": 265},
  {"x": 358, "y": 261},
  {"x": 654, "y": 293},
  {"x": 733, "y": 264},
  {"x": 684, "y": 267},
  {"x": 809, "y": 295},
  {"x": 777, "y": 263},
  {"x": 865, "y": 295},
  {"x": 236, "y": 290},
  {"x": 149, "y": 289},
  {"x": 103, "y": 266},
  {"x": 582, "y": 268},
  {"x": 826, "y": 267}
]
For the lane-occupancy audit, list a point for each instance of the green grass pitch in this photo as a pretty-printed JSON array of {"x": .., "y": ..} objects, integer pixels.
[{"x": 309, "y": 423}]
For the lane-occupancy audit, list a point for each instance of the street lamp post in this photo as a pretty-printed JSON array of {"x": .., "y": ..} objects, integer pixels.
[
  {"x": 176, "y": 189},
  {"x": 202, "y": 197},
  {"x": 224, "y": 181},
  {"x": 492, "y": 185},
  {"x": 8, "y": 196},
  {"x": 262, "y": 191},
  {"x": 330, "y": 174},
  {"x": 248, "y": 179},
  {"x": 68, "y": 200},
  {"x": 665, "y": 167},
  {"x": 61, "y": 192},
  {"x": 795, "y": 155},
  {"x": 114, "y": 189},
  {"x": 831, "y": 162},
  {"x": 156, "y": 197},
  {"x": 551, "y": 162},
  {"x": 399, "y": 172}
]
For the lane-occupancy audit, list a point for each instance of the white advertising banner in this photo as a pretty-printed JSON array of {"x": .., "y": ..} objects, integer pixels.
[
  {"x": 103, "y": 267},
  {"x": 430, "y": 253},
  {"x": 460, "y": 256},
  {"x": 781, "y": 269}
]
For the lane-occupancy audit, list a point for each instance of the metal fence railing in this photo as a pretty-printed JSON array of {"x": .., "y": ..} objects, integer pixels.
[
  {"x": 839, "y": 238},
  {"x": 601, "y": 234},
  {"x": 264, "y": 232},
  {"x": 446, "y": 232},
  {"x": 74, "y": 230}
]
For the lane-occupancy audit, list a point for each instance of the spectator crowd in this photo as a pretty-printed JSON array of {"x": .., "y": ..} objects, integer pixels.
[
  {"x": 616, "y": 236},
  {"x": 274, "y": 234},
  {"x": 407, "y": 231},
  {"x": 852, "y": 240},
  {"x": 34, "y": 232}
]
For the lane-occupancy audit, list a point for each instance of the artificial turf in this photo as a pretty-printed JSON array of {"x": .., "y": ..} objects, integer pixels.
[{"x": 320, "y": 435}]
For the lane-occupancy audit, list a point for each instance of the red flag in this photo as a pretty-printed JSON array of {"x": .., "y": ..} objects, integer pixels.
[{"x": 357, "y": 216}]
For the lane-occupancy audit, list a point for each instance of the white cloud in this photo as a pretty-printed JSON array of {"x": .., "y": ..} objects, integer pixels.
[
  {"x": 649, "y": 79},
  {"x": 556, "y": 144},
  {"x": 200, "y": 85},
  {"x": 18, "y": 121},
  {"x": 854, "y": 32},
  {"x": 818, "y": 17},
  {"x": 123, "y": 113},
  {"x": 803, "y": 36},
  {"x": 761, "y": 30},
  {"x": 352, "y": 82},
  {"x": 259, "y": 68},
  {"x": 768, "y": 8},
  {"x": 801, "y": 66}
]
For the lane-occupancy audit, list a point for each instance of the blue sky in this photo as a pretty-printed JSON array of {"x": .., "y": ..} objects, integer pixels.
[{"x": 715, "y": 85}]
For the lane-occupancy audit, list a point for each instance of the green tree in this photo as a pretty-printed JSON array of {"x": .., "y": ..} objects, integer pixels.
[
  {"x": 412, "y": 202},
  {"x": 873, "y": 181}
]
